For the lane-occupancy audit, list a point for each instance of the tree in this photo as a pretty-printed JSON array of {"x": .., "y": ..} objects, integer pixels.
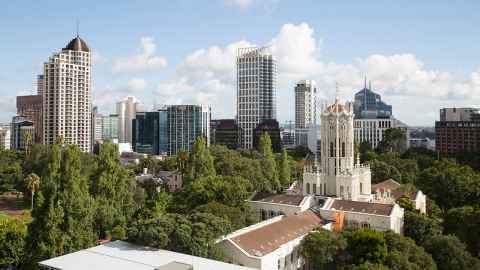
[
  {"x": 450, "y": 254},
  {"x": 284, "y": 169},
  {"x": 268, "y": 163},
  {"x": 33, "y": 184},
  {"x": 382, "y": 171},
  {"x": 238, "y": 216},
  {"x": 200, "y": 162},
  {"x": 321, "y": 249},
  {"x": 420, "y": 227},
  {"x": 370, "y": 266},
  {"x": 367, "y": 246},
  {"x": 464, "y": 222},
  {"x": 394, "y": 140},
  {"x": 12, "y": 243},
  {"x": 406, "y": 203}
]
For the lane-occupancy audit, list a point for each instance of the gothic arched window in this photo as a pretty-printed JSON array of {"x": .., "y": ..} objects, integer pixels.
[
  {"x": 308, "y": 188},
  {"x": 332, "y": 150},
  {"x": 343, "y": 149}
]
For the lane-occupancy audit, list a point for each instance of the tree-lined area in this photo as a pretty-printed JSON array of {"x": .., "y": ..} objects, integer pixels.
[{"x": 77, "y": 199}]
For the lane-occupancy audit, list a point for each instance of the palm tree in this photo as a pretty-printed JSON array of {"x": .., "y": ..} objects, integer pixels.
[{"x": 33, "y": 184}]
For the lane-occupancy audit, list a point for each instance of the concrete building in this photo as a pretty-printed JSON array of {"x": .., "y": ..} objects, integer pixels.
[
  {"x": 225, "y": 132},
  {"x": 4, "y": 138},
  {"x": 256, "y": 87},
  {"x": 458, "y": 131},
  {"x": 40, "y": 84},
  {"x": 338, "y": 174},
  {"x": 120, "y": 255},
  {"x": 389, "y": 191},
  {"x": 31, "y": 107},
  {"x": 369, "y": 104},
  {"x": 126, "y": 111},
  {"x": 305, "y": 111},
  {"x": 150, "y": 133},
  {"x": 110, "y": 127},
  {"x": 173, "y": 180},
  {"x": 267, "y": 205},
  {"x": 274, "y": 243},
  {"x": 375, "y": 216},
  {"x": 185, "y": 124},
  {"x": 271, "y": 127},
  {"x": 373, "y": 130},
  {"x": 67, "y": 101},
  {"x": 22, "y": 132},
  {"x": 97, "y": 126}
]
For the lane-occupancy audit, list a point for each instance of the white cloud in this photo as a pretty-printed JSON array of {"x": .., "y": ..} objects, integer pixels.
[
  {"x": 98, "y": 58},
  {"x": 208, "y": 76},
  {"x": 239, "y": 3},
  {"x": 136, "y": 84},
  {"x": 144, "y": 61}
]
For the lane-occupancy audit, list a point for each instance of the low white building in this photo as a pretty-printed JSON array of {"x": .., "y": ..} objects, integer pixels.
[
  {"x": 376, "y": 216},
  {"x": 272, "y": 244},
  {"x": 267, "y": 205},
  {"x": 120, "y": 255},
  {"x": 389, "y": 191}
]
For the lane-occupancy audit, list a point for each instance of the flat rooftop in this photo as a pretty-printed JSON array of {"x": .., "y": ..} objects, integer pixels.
[{"x": 120, "y": 255}]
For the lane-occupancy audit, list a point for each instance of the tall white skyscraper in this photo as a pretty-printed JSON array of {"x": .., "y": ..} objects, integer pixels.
[
  {"x": 126, "y": 111},
  {"x": 67, "y": 101},
  {"x": 305, "y": 111},
  {"x": 256, "y": 86}
]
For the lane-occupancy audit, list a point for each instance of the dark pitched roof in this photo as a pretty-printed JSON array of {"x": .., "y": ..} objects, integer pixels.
[
  {"x": 387, "y": 184},
  {"x": 264, "y": 240},
  {"x": 278, "y": 198},
  {"x": 362, "y": 207},
  {"x": 77, "y": 44}
]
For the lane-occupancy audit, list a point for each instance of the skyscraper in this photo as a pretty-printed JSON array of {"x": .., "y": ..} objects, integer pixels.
[
  {"x": 126, "y": 111},
  {"x": 67, "y": 101},
  {"x": 97, "y": 125},
  {"x": 110, "y": 127},
  {"x": 256, "y": 86},
  {"x": 369, "y": 104},
  {"x": 40, "y": 84},
  {"x": 22, "y": 132},
  {"x": 305, "y": 110},
  {"x": 31, "y": 108}
]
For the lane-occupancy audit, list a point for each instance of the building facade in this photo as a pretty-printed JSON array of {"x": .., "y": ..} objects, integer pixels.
[
  {"x": 185, "y": 123},
  {"x": 31, "y": 107},
  {"x": 372, "y": 130},
  {"x": 4, "y": 138},
  {"x": 110, "y": 127},
  {"x": 22, "y": 132},
  {"x": 40, "y": 84},
  {"x": 97, "y": 126},
  {"x": 369, "y": 104},
  {"x": 256, "y": 87},
  {"x": 338, "y": 174},
  {"x": 225, "y": 132},
  {"x": 67, "y": 101},
  {"x": 272, "y": 128},
  {"x": 305, "y": 110},
  {"x": 458, "y": 131},
  {"x": 126, "y": 111},
  {"x": 150, "y": 133}
]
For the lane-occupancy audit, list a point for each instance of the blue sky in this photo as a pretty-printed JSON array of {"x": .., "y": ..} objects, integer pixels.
[{"x": 420, "y": 55}]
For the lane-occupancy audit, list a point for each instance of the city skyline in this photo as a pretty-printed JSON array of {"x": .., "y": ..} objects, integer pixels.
[{"x": 144, "y": 56}]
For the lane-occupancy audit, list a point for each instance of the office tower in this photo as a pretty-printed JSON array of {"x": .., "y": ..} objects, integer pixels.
[
  {"x": 185, "y": 124},
  {"x": 97, "y": 125},
  {"x": 4, "y": 138},
  {"x": 256, "y": 86},
  {"x": 373, "y": 117},
  {"x": 22, "y": 132},
  {"x": 31, "y": 107},
  {"x": 458, "y": 131},
  {"x": 40, "y": 84},
  {"x": 305, "y": 110},
  {"x": 150, "y": 133},
  {"x": 110, "y": 127},
  {"x": 225, "y": 132},
  {"x": 126, "y": 111},
  {"x": 67, "y": 101},
  {"x": 271, "y": 127}
]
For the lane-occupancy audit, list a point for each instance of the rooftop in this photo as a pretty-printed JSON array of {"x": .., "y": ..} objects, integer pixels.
[
  {"x": 387, "y": 184},
  {"x": 120, "y": 255},
  {"x": 278, "y": 198},
  {"x": 266, "y": 239},
  {"x": 363, "y": 207},
  {"x": 77, "y": 44}
]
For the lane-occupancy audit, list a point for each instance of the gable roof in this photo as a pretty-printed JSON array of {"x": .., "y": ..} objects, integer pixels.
[
  {"x": 387, "y": 184},
  {"x": 363, "y": 207},
  {"x": 266, "y": 239},
  {"x": 278, "y": 198}
]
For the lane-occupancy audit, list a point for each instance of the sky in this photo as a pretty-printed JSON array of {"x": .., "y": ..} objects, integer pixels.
[{"x": 419, "y": 55}]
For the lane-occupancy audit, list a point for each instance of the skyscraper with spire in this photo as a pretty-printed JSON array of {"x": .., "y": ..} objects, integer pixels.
[{"x": 67, "y": 96}]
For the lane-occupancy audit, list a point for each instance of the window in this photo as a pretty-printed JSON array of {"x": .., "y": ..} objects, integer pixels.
[
  {"x": 343, "y": 149},
  {"x": 308, "y": 188},
  {"x": 361, "y": 188},
  {"x": 314, "y": 191},
  {"x": 331, "y": 149}
]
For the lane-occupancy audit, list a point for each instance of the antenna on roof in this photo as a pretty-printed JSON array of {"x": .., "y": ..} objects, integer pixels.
[{"x": 78, "y": 27}]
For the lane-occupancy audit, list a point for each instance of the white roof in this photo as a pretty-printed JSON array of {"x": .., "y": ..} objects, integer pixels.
[{"x": 121, "y": 255}]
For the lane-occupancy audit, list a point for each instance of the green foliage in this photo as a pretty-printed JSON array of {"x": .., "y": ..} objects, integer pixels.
[
  {"x": 284, "y": 169},
  {"x": 406, "y": 203},
  {"x": 450, "y": 185},
  {"x": 200, "y": 162},
  {"x": 367, "y": 246},
  {"x": 11, "y": 177},
  {"x": 322, "y": 248},
  {"x": 269, "y": 166},
  {"x": 420, "y": 227},
  {"x": 370, "y": 266},
  {"x": 394, "y": 140},
  {"x": 238, "y": 216},
  {"x": 450, "y": 254},
  {"x": 12, "y": 243},
  {"x": 464, "y": 222},
  {"x": 299, "y": 152}
]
